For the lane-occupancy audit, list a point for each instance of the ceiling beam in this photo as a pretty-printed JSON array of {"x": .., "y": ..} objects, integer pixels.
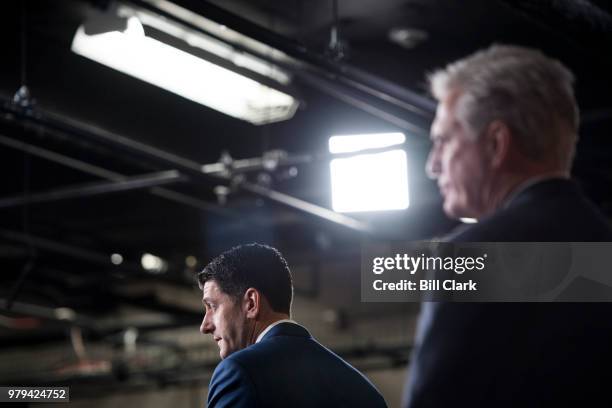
[{"x": 94, "y": 189}]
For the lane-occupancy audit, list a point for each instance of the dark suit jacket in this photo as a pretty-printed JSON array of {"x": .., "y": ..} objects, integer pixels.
[
  {"x": 517, "y": 355},
  {"x": 288, "y": 368}
]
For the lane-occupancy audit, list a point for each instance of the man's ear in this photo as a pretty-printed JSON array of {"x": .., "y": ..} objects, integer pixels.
[
  {"x": 497, "y": 142},
  {"x": 252, "y": 303}
]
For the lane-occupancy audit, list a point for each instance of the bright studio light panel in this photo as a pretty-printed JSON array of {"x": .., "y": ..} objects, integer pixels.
[{"x": 369, "y": 181}]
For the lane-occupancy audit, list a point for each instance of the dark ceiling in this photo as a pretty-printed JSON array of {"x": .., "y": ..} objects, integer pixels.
[{"x": 57, "y": 253}]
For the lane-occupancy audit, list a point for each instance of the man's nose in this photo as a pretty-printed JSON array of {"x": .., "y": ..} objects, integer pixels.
[
  {"x": 206, "y": 326},
  {"x": 432, "y": 167}
]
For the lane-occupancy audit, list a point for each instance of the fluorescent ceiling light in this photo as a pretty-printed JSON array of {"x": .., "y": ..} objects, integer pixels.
[
  {"x": 207, "y": 43},
  {"x": 369, "y": 182},
  {"x": 184, "y": 74}
]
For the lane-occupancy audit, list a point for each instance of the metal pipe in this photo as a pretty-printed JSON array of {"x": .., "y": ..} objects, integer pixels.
[
  {"x": 111, "y": 175},
  {"x": 306, "y": 207},
  {"x": 65, "y": 249},
  {"x": 192, "y": 168},
  {"x": 352, "y": 98},
  {"x": 92, "y": 189}
]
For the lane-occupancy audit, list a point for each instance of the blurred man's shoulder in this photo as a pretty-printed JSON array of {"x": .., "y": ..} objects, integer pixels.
[{"x": 547, "y": 213}]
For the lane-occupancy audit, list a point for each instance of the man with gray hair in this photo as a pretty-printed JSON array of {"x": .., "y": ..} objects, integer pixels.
[
  {"x": 510, "y": 113},
  {"x": 504, "y": 139}
]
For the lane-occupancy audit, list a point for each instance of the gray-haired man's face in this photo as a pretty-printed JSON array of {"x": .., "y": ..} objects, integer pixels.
[{"x": 458, "y": 162}]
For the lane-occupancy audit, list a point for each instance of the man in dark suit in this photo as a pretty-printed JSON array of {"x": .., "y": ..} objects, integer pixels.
[
  {"x": 268, "y": 359},
  {"x": 503, "y": 144}
]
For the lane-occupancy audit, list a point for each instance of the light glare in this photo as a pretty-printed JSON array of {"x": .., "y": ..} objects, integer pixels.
[
  {"x": 116, "y": 259},
  {"x": 354, "y": 143},
  {"x": 468, "y": 220},
  {"x": 153, "y": 263},
  {"x": 370, "y": 182}
]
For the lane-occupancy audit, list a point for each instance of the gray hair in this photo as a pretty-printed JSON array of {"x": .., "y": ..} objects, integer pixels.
[{"x": 528, "y": 91}]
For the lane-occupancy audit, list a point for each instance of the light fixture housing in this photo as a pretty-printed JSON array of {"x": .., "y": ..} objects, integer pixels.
[
  {"x": 134, "y": 53},
  {"x": 369, "y": 181}
]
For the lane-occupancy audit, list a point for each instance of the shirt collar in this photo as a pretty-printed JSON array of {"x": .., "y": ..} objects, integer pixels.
[{"x": 270, "y": 326}]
